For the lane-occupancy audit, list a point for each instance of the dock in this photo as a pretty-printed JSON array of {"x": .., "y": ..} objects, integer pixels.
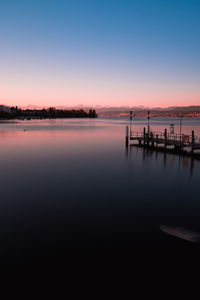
[{"x": 164, "y": 141}]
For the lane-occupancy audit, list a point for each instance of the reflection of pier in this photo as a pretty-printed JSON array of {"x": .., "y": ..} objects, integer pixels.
[
  {"x": 163, "y": 141},
  {"x": 186, "y": 162}
]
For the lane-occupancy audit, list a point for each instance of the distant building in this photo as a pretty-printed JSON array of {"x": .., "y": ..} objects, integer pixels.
[{"x": 5, "y": 108}]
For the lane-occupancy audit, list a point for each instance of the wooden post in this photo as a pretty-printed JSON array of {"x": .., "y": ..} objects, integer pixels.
[
  {"x": 165, "y": 139},
  {"x": 193, "y": 141},
  {"x": 127, "y": 136},
  {"x": 156, "y": 141},
  {"x": 182, "y": 142},
  {"x": 144, "y": 135}
]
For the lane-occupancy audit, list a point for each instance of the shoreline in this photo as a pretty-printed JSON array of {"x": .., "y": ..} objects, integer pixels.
[{"x": 45, "y": 118}]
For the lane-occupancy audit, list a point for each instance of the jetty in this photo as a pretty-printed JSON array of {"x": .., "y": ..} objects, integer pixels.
[{"x": 184, "y": 144}]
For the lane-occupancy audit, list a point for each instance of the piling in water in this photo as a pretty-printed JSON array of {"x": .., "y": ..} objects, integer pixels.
[
  {"x": 127, "y": 137},
  {"x": 193, "y": 140},
  {"x": 165, "y": 139}
]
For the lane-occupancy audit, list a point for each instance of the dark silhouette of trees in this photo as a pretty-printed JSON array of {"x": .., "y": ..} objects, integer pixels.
[{"x": 51, "y": 112}]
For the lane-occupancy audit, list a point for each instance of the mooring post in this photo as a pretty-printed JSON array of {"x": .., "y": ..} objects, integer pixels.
[
  {"x": 165, "y": 139},
  {"x": 156, "y": 141},
  {"x": 144, "y": 135},
  {"x": 147, "y": 137},
  {"x": 127, "y": 136},
  {"x": 193, "y": 140}
]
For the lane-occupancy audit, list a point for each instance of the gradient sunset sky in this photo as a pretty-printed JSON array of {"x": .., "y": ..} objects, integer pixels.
[{"x": 100, "y": 52}]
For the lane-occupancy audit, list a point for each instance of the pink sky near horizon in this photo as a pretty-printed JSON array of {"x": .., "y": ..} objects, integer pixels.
[{"x": 88, "y": 92}]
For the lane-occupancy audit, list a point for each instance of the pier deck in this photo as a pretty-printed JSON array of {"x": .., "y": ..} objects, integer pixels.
[{"x": 165, "y": 140}]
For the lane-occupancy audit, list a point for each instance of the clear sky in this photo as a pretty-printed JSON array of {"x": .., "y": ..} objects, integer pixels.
[{"x": 100, "y": 52}]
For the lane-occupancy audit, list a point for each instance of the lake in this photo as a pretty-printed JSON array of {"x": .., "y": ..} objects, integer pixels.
[{"x": 70, "y": 187}]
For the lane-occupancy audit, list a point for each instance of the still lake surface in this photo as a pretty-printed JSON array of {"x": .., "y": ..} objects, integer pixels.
[{"x": 69, "y": 186}]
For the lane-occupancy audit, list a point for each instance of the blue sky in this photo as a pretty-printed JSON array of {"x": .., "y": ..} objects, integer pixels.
[{"x": 142, "y": 52}]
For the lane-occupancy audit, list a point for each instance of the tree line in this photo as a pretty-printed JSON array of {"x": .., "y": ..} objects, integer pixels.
[{"x": 51, "y": 112}]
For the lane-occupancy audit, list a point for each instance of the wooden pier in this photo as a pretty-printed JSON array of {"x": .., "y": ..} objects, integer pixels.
[{"x": 164, "y": 141}]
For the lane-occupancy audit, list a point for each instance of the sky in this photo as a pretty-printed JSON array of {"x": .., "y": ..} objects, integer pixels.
[{"x": 100, "y": 52}]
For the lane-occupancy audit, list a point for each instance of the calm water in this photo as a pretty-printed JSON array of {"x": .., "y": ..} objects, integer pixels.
[{"x": 71, "y": 187}]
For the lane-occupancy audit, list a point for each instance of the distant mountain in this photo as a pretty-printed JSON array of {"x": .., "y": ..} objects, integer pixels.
[
  {"x": 186, "y": 111},
  {"x": 192, "y": 108}
]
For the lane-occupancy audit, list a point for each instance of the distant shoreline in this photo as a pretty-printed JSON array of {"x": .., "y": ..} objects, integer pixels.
[
  {"x": 152, "y": 115},
  {"x": 24, "y": 118},
  {"x": 15, "y": 113}
]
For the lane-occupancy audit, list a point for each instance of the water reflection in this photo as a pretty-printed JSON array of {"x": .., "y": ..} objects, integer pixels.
[
  {"x": 68, "y": 188},
  {"x": 182, "y": 233},
  {"x": 183, "y": 162}
]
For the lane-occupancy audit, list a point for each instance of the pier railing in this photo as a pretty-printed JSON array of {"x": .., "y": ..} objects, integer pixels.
[
  {"x": 169, "y": 138},
  {"x": 162, "y": 140}
]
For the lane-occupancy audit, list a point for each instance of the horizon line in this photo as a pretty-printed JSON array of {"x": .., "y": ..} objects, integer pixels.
[{"x": 32, "y": 106}]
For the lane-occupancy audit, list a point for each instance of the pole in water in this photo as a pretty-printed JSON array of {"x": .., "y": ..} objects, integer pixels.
[
  {"x": 148, "y": 122},
  {"x": 193, "y": 141},
  {"x": 181, "y": 129},
  {"x": 127, "y": 136},
  {"x": 131, "y": 117},
  {"x": 165, "y": 135},
  {"x": 144, "y": 133}
]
